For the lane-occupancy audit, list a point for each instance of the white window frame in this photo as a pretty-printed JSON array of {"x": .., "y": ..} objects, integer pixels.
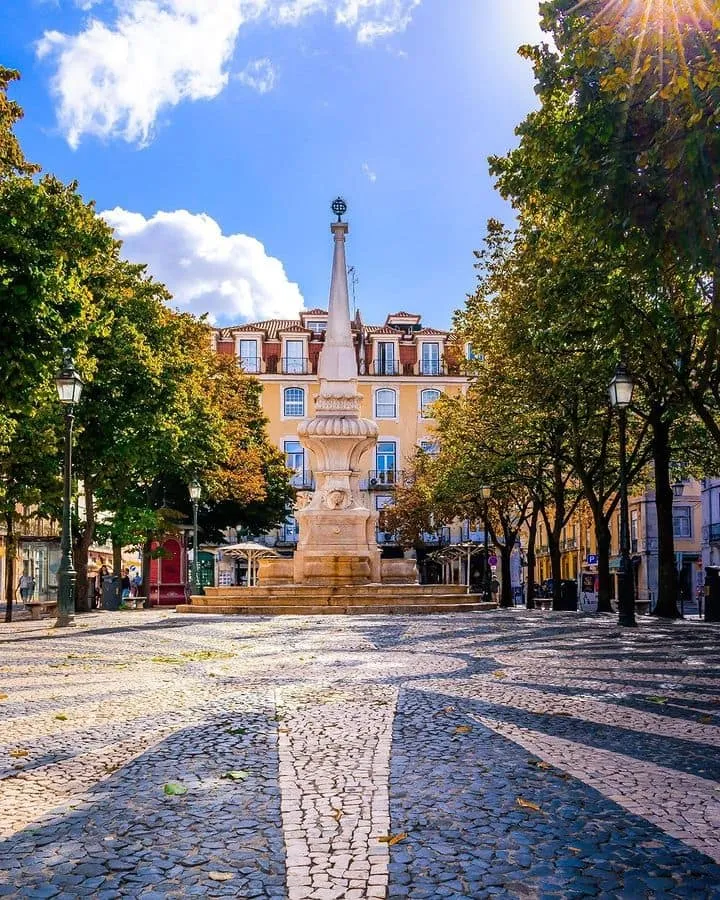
[
  {"x": 376, "y": 412},
  {"x": 429, "y": 446},
  {"x": 424, "y": 404},
  {"x": 255, "y": 358},
  {"x": 285, "y": 414},
  {"x": 437, "y": 364},
  {"x": 687, "y": 515}
]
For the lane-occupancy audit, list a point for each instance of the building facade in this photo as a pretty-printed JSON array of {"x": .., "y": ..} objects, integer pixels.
[{"x": 403, "y": 369}]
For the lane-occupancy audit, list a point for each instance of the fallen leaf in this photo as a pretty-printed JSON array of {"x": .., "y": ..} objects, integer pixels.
[
  {"x": 238, "y": 775},
  {"x": 575, "y": 849},
  {"x": 173, "y": 789},
  {"x": 337, "y": 814},
  {"x": 463, "y": 729},
  {"x": 707, "y": 720},
  {"x": 527, "y": 804},
  {"x": 220, "y": 876},
  {"x": 659, "y": 700},
  {"x": 16, "y": 754},
  {"x": 445, "y": 709},
  {"x": 283, "y": 731},
  {"x": 392, "y": 839},
  {"x": 539, "y": 764},
  {"x": 61, "y": 717},
  {"x": 236, "y": 731},
  {"x": 500, "y": 674},
  {"x": 3, "y": 696}
]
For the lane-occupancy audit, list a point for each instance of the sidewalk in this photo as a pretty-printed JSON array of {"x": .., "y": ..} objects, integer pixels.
[{"x": 513, "y": 754}]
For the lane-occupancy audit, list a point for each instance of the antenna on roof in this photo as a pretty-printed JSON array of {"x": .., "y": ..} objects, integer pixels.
[{"x": 352, "y": 275}]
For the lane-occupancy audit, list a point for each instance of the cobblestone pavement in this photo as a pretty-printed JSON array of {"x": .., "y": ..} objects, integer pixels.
[{"x": 508, "y": 754}]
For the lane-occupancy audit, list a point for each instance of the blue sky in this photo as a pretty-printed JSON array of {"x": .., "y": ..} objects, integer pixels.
[{"x": 215, "y": 133}]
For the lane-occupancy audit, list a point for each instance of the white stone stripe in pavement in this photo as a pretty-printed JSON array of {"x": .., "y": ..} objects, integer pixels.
[
  {"x": 334, "y": 766},
  {"x": 682, "y": 805}
]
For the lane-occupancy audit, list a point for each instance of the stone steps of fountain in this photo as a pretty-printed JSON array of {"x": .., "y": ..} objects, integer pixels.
[
  {"x": 418, "y": 608},
  {"x": 338, "y": 600}
]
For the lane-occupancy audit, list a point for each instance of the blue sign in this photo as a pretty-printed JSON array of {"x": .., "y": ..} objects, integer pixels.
[{"x": 592, "y": 559}]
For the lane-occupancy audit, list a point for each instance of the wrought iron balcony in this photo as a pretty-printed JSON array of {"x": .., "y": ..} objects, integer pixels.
[
  {"x": 303, "y": 481},
  {"x": 251, "y": 364},
  {"x": 295, "y": 366},
  {"x": 387, "y": 537},
  {"x": 380, "y": 480},
  {"x": 384, "y": 367},
  {"x": 569, "y": 544},
  {"x": 431, "y": 368},
  {"x": 437, "y": 538}
]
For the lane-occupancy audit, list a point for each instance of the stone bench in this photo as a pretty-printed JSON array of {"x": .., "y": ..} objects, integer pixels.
[{"x": 38, "y": 608}]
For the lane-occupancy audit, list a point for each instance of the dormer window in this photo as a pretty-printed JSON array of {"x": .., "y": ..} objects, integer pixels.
[{"x": 316, "y": 326}]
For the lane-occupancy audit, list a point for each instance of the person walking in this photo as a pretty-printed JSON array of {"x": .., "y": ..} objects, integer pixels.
[
  {"x": 26, "y": 585},
  {"x": 102, "y": 575},
  {"x": 125, "y": 584}
]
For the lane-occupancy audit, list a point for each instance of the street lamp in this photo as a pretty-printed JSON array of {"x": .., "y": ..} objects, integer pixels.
[
  {"x": 69, "y": 387},
  {"x": 621, "y": 393},
  {"x": 486, "y": 493},
  {"x": 195, "y": 492},
  {"x": 678, "y": 488}
]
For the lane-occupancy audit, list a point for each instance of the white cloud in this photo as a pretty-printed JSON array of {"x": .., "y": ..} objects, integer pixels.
[
  {"x": 230, "y": 277},
  {"x": 368, "y": 172},
  {"x": 259, "y": 74},
  {"x": 113, "y": 78}
]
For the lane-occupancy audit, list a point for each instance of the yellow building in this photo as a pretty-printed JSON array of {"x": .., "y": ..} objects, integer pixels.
[{"x": 403, "y": 368}]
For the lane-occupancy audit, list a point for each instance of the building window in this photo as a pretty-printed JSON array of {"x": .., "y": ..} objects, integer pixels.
[
  {"x": 432, "y": 448},
  {"x": 295, "y": 456},
  {"x": 315, "y": 327},
  {"x": 294, "y": 363},
  {"x": 682, "y": 523},
  {"x": 385, "y": 404},
  {"x": 289, "y": 531},
  {"x": 386, "y": 459},
  {"x": 249, "y": 359},
  {"x": 294, "y": 403},
  {"x": 385, "y": 363},
  {"x": 473, "y": 355},
  {"x": 427, "y": 398},
  {"x": 430, "y": 358}
]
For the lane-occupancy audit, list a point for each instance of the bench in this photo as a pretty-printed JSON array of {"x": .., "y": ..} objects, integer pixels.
[
  {"x": 136, "y": 602},
  {"x": 38, "y": 608}
]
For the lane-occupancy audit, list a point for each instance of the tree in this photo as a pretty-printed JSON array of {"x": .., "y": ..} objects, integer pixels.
[{"x": 12, "y": 159}]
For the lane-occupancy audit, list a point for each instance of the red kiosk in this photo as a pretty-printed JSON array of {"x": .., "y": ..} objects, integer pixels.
[{"x": 167, "y": 573}]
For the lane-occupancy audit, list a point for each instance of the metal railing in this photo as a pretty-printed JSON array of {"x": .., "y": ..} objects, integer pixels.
[
  {"x": 386, "y": 367},
  {"x": 569, "y": 544},
  {"x": 431, "y": 368},
  {"x": 303, "y": 481},
  {"x": 377, "y": 480},
  {"x": 251, "y": 364},
  {"x": 436, "y": 538},
  {"x": 295, "y": 366},
  {"x": 387, "y": 537}
]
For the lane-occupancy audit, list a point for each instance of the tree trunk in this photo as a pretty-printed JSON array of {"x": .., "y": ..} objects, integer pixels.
[
  {"x": 555, "y": 569},
  {"x": 10, "y": 559},
  {"x": 602, "y": 536},
  {"x": 666, "y": 605},
  {"x": 506, "y": 599},
  {"x": 117, "y": 557},
  {"x": 82, "y": 549},
  {"x": 532, "y": 534}
]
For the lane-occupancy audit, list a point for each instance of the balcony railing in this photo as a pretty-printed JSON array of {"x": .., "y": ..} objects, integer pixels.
[
  {"x": 295, "y": 366},
  {"x": 472, "y": 534},
  {"x": 387, "y": 537},
  {"x": 439, "y": 537},
  {"x": 542, "y": 550},
  {"x": 569, "y": 544},
  {"x": 431, "y": 368},
  {"x": 381, "y": 479},
  {"x": 386, "y": 367},
  {"x": 303, "y": 481},
  {"x": 251, "y": 364}
]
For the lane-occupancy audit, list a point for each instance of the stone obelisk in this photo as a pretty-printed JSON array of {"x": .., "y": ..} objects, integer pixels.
[{"x": 337, "y": 543}]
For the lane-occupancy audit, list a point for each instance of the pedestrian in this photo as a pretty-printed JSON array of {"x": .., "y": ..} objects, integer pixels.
[
  {"x": 102, "y": 575},
  {"x": 494, "y": 588},
  {"x": 125, "y": 584},
  {"x": 26, "y": 586},
  {"x": 136, "y": 584}
]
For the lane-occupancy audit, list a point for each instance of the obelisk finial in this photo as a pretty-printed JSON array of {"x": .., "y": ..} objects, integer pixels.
[{"x": 339, "y": 207}]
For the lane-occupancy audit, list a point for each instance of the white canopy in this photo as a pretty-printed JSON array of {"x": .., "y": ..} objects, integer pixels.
[{"x": 252, "y": 553}]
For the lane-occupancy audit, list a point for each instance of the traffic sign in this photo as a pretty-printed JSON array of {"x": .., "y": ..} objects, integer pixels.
[
  {"x": 592, "y": 559},
  {"x": 493, "y": 561}
]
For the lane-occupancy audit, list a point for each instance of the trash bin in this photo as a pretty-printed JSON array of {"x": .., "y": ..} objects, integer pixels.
[
  {"x": 712, "y": 593},
  {"x": 111, "y": 592},
  {"x": 568, "y": 596}
]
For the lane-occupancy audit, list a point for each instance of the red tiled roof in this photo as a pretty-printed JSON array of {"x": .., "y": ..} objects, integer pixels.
[
  {"x": 382, "y": 329},
  {"x": 430, "y": 331},
  {"x": 314, "y": 312},
  {"x": 404, "y": 315}
]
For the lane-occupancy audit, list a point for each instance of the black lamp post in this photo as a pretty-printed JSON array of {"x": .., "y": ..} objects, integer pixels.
[
  {"x": 486, "y": 493},
  {"x": 621, "y": 394},
  {"x": 69, "y": 387},
  {"x": 195, "y": 492}
]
